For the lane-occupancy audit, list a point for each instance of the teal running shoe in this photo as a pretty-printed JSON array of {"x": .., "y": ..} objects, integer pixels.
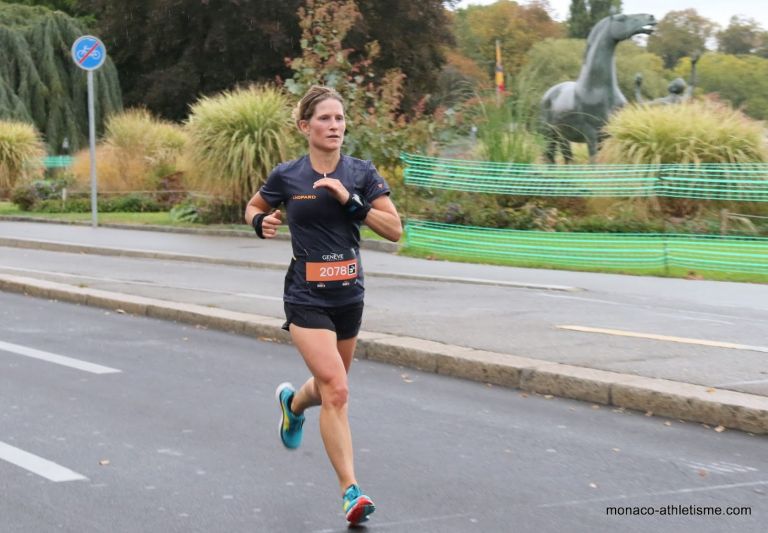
[
  {"x": 357, "y": 506},
  {"x": 291, "y": 424}
]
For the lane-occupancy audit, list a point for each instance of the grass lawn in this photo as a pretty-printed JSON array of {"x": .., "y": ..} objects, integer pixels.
[{"x": 696, "y": 257}]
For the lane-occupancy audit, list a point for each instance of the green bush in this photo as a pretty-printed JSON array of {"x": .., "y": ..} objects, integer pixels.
[
  {"x": 185, "y": 212},
  {"x": 236, "y": 138},
  {"x": 51, "y": 188},
  {"x": 131, "y": 203},
  {"x": 25, "y": 196},
  {"x": 696, "y": 132},
  {"x": 119, "y": 204},
  {"x": 73, "y": 205},
  {"x": 602, "y": 224},
  {"x": 138, "y": 151},
  {"x": 21, "y": 152}
]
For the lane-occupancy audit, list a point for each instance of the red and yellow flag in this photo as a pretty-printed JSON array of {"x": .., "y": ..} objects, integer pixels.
[{"x": 499, "y": 69}]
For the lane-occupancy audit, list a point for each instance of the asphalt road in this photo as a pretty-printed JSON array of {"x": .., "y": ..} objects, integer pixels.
[
  {"x": 522, "y": 322},
  {"x": 180, "y": 434}
]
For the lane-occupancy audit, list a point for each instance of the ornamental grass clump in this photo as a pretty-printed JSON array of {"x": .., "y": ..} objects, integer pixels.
[
  {"x": 696, "y": 132},
  {"x": 21, "y": 154},
  {"x": 236, "y": 138},
  {"x": 137, "y": 151}
]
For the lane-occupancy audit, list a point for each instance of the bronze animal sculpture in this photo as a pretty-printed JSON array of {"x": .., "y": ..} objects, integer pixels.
[
  {"x": 679, "y": 91},
  {"x": 576, "y": 111}
]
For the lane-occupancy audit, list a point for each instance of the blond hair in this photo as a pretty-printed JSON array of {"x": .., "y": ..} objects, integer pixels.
[{"x": 316, "y": 94}]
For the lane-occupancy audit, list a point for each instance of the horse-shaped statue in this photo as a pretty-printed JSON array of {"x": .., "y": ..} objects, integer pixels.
[{"x": 577, "y": 111}]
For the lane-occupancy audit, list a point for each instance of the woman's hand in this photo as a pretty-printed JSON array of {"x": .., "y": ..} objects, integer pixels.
[
  {"x": 335, "y": 187},
  {"x": 270, "y": 224}
]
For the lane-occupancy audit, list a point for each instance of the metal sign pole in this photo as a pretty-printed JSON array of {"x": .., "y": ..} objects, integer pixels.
[
  {"x": 89, "y": 53},
  {"x": 92, "y": 135}
]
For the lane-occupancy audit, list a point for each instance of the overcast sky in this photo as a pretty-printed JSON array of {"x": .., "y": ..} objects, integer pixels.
[{"x": 719, "y": 11}]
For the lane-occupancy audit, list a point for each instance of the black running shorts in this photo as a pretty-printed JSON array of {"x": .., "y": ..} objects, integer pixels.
[{"x": 344, "y": 320}]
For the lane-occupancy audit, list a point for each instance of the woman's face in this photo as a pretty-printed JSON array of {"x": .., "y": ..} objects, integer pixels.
[{"x": 325, "y": 129}]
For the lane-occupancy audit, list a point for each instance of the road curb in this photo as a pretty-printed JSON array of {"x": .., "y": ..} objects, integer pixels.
[
  {"x": 57, "y": 246},
  {"x": 717, "y": 407}
]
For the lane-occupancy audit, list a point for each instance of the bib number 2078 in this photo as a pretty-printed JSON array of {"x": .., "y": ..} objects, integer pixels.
[{"x": 330, "y": 274}]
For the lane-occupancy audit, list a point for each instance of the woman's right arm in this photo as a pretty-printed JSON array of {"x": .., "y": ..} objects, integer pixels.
[{"x": 256, "y": 206}]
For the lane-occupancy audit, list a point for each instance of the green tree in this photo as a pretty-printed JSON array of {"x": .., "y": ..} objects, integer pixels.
[
  {"x": 740, "y": 80},
  {"x": 742, "y": 36},
  {"x": 171, "y": 51},
  {"x": 412, "y": 36},
  {"x": 378, "y": 130},
  {"x": 585, "y": 14},
  {"x": 67, "y": 6},
  {"x": 517, "y": 27},
  {"x": 680, "y": 34},
  {"x": 40, "y": 84},
  {"x": 579, "y": 24}
]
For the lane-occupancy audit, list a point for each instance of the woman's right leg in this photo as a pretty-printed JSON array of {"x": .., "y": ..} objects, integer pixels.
[
  {"x": 308, "y": 395},
  {"x": 328, "y": 388}
]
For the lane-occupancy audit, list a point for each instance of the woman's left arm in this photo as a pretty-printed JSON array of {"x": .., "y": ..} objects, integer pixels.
[{"x": 384, "y": 220}]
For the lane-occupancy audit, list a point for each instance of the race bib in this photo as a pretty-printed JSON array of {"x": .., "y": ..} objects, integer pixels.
[{"x": 328, "y": 270}]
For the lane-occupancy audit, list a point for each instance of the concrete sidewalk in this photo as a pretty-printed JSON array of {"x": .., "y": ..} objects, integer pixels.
[{"x": 678, "y": 399}]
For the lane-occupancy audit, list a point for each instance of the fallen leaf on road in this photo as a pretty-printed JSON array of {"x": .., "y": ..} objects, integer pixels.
[
  {"x": 649, "y": 413},
  {"x": 703, "y": 473},
  {"x": 719, "y": 429},
  {"x": 617, "y": 450},
  {"x": 595, "y": 407},
  {"x": 523, "y": 394},
  {"x": 406, "y": 378},
  {"x": 122, "y": 312},
  {"x": 711, "y": 390},
  {"x": 104, "y": 462},
  {"x": 548, "y": 396},
  {"x": 668, "y": 424}
]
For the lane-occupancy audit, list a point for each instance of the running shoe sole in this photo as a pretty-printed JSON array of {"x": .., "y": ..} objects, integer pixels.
[
  {"x": 360, "y": 510},
  {"x": 278, "y": 390}
]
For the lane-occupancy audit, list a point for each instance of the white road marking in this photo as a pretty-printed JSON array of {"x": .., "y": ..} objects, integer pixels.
[
  {"x": 63, "y": 360},
  {"x": 37, "y": 465},
  {"x": 655, "y": 494},
  {"x": 143, "y": 283},
  {"x": 734, "y": 383},
  {"x": 718, "y": 468},
  {"x": 667, "y": 338}
]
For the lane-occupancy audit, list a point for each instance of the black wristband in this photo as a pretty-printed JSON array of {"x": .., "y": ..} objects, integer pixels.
[
  {"x": 257, "y": 222},
  {"x": 357, "y": 207}
]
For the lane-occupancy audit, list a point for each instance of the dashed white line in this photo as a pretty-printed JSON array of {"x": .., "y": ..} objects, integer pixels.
[
  {"x": 37, "y": 465},
  {"x": 63, "y": 360}
]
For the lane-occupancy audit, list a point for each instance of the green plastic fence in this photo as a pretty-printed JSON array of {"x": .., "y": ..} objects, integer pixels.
[
  {"x": 57, "y": 161},
  {"x": 746, "y": 182},
  {"x": 624, "y": 251}
]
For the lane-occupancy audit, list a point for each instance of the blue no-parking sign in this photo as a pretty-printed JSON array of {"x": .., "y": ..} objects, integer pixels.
[{"x": 88, "y": 52}]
